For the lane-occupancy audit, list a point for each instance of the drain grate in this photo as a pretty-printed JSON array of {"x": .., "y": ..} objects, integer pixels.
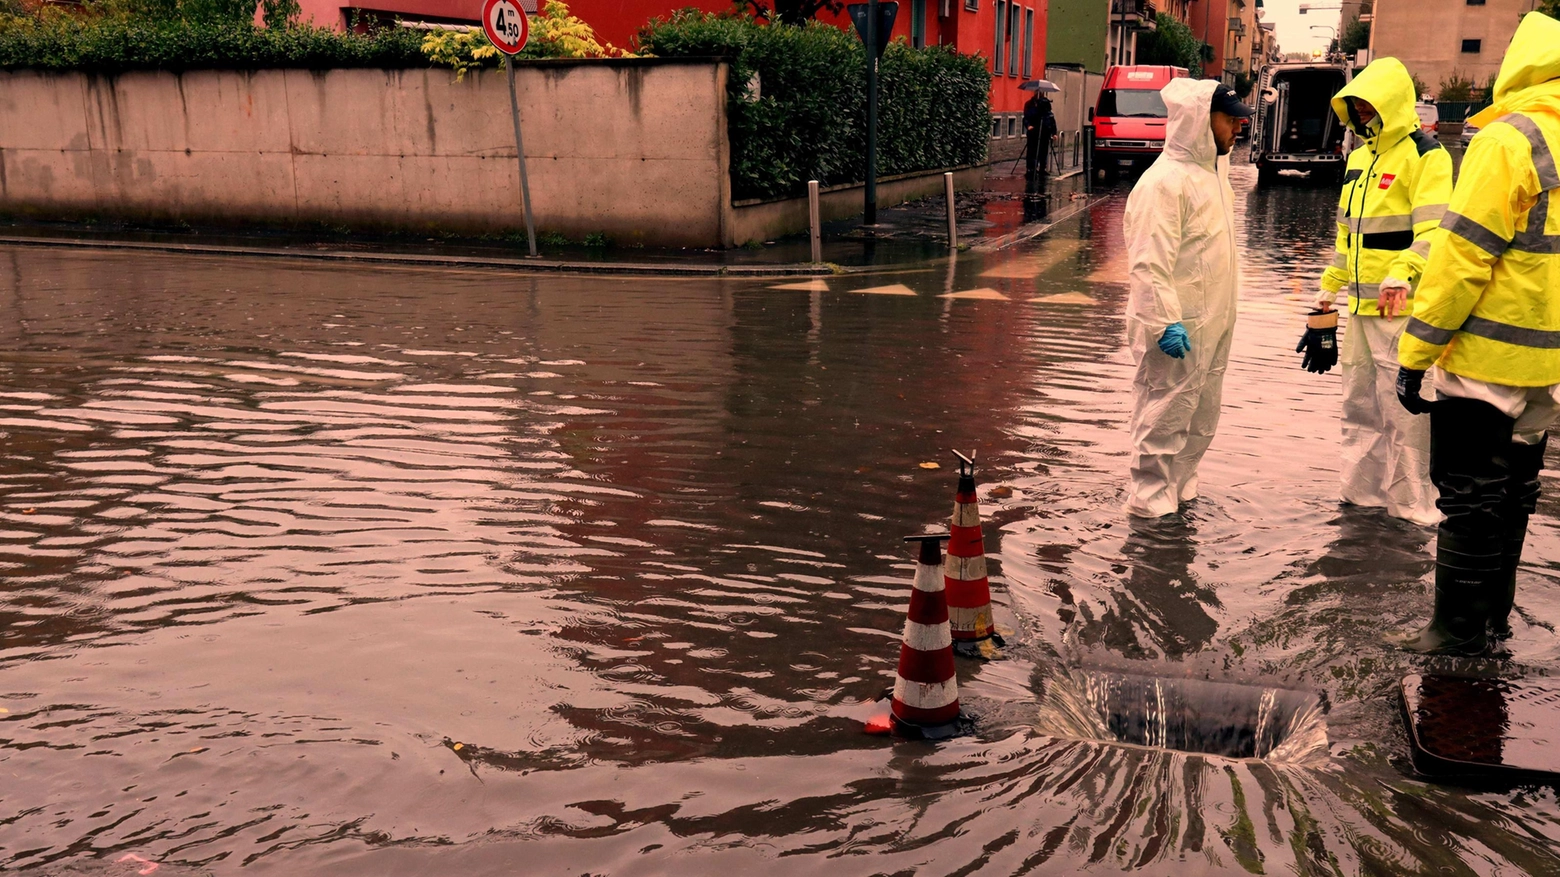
[
  {"x": 1186, "y": 715},
  {"x": 1492, "y": 728}
]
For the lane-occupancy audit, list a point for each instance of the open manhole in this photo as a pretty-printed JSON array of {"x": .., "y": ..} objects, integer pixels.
[
  {"x": 1186, "y": 715},
  {"x": 1495, "y": 729}
]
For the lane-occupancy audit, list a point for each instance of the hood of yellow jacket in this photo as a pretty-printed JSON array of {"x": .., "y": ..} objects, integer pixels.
[
  {"x": 1386, "y": 85},
  {"x": 1530, "y": 74}
]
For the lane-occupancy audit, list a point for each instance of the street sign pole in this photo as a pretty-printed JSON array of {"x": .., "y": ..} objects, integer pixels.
[
  {"x": 525, "y": 182},
  {"x": 869, "y": 213},
  {"x": 508, "y": 28}
]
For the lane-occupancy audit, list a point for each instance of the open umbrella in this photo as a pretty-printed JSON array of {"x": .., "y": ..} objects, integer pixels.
[{"x": 1040, "y": 85}]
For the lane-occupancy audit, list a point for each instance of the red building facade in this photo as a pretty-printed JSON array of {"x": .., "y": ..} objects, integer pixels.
[{"x": 1009, "y": 34}]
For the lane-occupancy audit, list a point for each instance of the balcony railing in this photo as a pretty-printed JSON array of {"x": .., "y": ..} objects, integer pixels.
[
  {"x": 1238, "y": 27},
  {"x": 1131, "y": 11}
]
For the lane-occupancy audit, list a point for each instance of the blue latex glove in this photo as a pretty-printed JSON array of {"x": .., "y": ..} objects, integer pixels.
[{"x": 1174, "y": 342}]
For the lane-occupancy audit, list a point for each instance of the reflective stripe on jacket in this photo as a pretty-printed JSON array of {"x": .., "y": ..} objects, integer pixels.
[
  {"x": 1395, "y": 189},
  {"x": 1489, "y": 305}
]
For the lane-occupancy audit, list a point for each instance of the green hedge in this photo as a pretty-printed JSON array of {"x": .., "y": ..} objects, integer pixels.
[
  {"x": 111, "y": 45},
  {"x": 808, "y": 119}
]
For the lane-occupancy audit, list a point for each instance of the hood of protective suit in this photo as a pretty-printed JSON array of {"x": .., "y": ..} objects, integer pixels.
[
  {"x": 1530, "y": 74},
  {"x": 1387, "y": 86},
  {"x": 1187, "y": 135}
]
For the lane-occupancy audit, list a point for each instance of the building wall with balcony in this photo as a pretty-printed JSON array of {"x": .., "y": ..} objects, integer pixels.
[
  {"x": 1128, "y": 18},
  {"x": 1436, "y": 38},
  {"x": 1226, "y": 27}
]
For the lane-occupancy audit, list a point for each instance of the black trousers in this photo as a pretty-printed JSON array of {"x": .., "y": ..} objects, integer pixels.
[
  {"x": 1488, "y": 484},
  {"x": 1037, "y": 150}
]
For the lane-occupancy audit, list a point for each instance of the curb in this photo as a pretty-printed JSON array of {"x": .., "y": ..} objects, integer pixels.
[{"x": 790, "y": 269}]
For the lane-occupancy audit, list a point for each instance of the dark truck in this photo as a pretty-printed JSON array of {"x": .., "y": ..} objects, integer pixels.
[{"x": 1295, "y": 128}]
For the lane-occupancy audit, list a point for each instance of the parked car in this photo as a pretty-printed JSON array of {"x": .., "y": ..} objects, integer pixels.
[
  {"x": 1429, "y": 118},
  {"x": 1466, "y": 137},
  {"x": 1129, "y": 116}
]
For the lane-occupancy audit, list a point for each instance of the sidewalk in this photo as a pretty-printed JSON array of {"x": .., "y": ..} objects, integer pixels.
[{"x": 1007, "y": 209}]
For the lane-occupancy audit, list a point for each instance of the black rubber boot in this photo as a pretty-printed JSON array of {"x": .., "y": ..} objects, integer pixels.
[
  {"x": 1521, "y": 500},
  {"x": 1465, "y": 582},
  {"x": 1470, "y": 457}
]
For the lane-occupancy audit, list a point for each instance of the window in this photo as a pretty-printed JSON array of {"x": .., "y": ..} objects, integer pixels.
[
  {"x": 1136, "y": 102},
  {"x": 1471, "y": 47},
  {"x": 996, "y": 55},
  {"x": 1013, "y": 24},
  {"x": 1475, "y": 2},
  {"x": 918, "y": 23},
  {"x": 996, "y": 127},
  {"x": 1012, "y": 125},
  {"x": 1029, "y": 42},
  {"x": 972, "y": 5}
]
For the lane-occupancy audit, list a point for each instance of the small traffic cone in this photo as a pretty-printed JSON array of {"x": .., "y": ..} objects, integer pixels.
[
  {"x": 969, "y": 591},
  {"x": 925, "y": 702}
]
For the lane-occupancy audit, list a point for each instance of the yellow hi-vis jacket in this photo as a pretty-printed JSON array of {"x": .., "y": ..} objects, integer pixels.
[
  {"x": 1395, "y": 189},
  {"x": 1488, "y": 307}
]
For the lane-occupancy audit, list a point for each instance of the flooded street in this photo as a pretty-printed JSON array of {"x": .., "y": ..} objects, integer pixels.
[{"x": 319, "y": 569}]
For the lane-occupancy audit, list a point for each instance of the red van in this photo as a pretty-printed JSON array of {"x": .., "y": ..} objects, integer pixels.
[{"x": 1129, "y": 117}]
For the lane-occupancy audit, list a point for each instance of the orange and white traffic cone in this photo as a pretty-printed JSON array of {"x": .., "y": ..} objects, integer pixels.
[
  {"x": 969, "y": 591},
  {"x": 925, "y": 703}
]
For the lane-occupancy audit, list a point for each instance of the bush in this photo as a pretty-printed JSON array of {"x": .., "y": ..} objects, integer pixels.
[
  {"x": 796, "y": 101},
  {"x": 112, "y": 44},
  {"x": 1356, "y": 36},
  {"x": 1173, "y": 44},
  {"x": 554, "y": 34},
  {"x": 1456, "y": 88}
]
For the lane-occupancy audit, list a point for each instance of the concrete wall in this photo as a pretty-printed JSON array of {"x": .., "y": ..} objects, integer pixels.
[
  {"x": 765, "y": 220},
  {"x": 633, "y": 148}
]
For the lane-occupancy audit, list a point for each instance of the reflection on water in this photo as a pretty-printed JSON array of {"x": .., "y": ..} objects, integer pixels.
[{"x": 326, "y": 570}]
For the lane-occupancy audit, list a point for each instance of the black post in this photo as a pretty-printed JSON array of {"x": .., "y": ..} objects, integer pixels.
[
  {"x": 869, "y": 213},
  {"x": 1088, "y": 159}
]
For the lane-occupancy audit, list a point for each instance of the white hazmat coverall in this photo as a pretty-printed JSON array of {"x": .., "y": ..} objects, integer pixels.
[{"x": 1180, "y": 233}]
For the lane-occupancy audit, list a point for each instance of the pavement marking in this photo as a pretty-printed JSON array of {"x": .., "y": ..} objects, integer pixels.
[
  {"x": 893, "y": 289},
  {"x": 985, "y": 293},
  {"x": 806, "y": 286},
  {"x": 1033, "y": 265},
  {"x": 1067, "y": 298}
]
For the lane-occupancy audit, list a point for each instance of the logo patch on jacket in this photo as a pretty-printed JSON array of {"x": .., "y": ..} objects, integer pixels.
[{"x": 1386, "y": 181}]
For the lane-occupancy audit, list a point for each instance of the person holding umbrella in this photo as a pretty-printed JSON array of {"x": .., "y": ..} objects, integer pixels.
[{"x": 1039, "y": 125}]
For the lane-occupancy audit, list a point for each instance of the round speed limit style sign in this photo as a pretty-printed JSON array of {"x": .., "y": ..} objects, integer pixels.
[{"x": 506, "y": 25}]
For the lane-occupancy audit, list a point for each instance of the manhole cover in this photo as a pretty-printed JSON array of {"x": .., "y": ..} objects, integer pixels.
[
  {"x": 1495, "y": 728},
  {"x": 1186, "y": 715}
]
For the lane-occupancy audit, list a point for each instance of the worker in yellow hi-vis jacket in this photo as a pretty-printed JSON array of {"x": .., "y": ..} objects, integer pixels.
[
  {"x": 1394, "y": 195},
  {"x": 1487, "y": 317}
]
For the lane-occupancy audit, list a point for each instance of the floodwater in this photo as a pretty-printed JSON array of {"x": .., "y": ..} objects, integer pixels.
[{"x": 335, "y": 570}]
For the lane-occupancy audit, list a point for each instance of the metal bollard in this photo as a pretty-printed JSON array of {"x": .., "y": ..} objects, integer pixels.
[
  {"x": 1088, "y": 160},
  {"x": 953, "y": 219},
  {"x": 812, "y": 218}
]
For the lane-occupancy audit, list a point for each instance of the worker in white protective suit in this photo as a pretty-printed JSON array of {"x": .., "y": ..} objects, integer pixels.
[{"x": 1180, "y": 232}]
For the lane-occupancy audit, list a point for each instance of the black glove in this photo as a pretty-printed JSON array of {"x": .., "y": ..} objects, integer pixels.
[
  {"x": 1408, "y": 383},
  {"x": 1320, "y": 342}
]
